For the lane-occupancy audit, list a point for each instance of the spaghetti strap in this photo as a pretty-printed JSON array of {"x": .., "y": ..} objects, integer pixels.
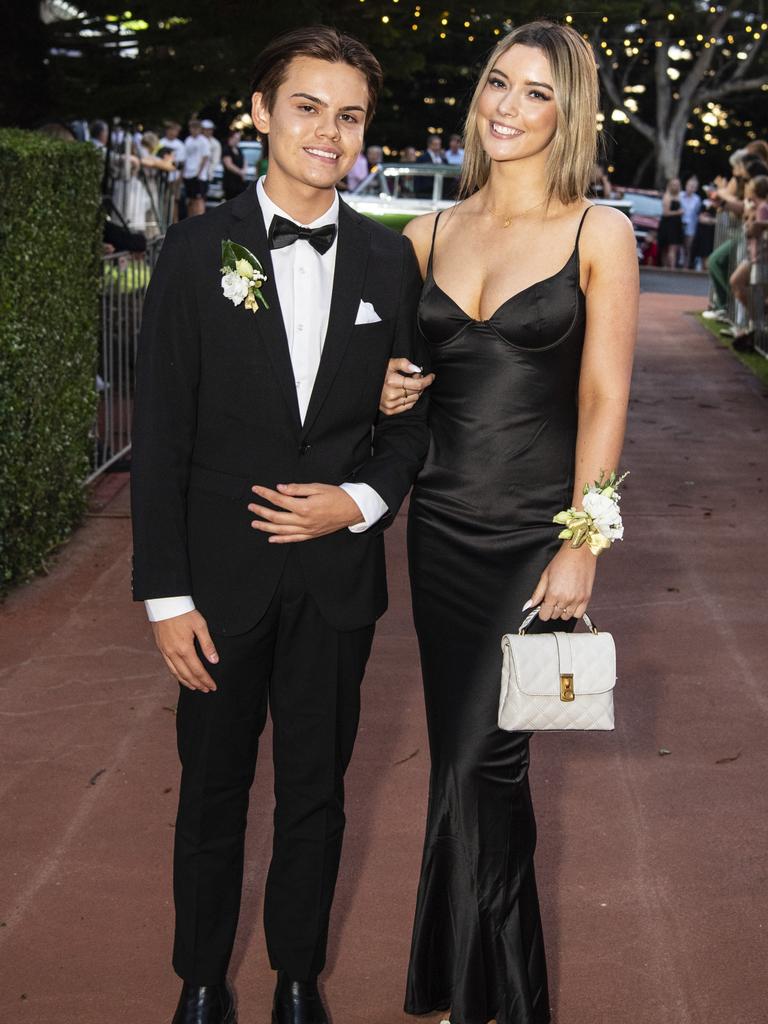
[
  {"x": 581, "y": 224},
  {"x": 432, "y": 246}
]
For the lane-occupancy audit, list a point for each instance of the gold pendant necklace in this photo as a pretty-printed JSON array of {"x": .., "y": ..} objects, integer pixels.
[{"x": 508, "y": 220}]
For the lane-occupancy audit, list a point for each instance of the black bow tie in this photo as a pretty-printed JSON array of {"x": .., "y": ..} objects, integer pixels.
[{"x": 284, "y": 232}]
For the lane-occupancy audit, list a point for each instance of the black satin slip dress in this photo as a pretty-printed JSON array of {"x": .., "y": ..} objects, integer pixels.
[{"x": 503, "y": 418}]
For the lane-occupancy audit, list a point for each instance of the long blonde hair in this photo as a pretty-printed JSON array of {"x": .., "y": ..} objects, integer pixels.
[{"x": 574, "y": 148}]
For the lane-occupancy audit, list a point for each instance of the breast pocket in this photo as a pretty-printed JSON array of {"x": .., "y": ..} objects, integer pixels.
[{"x": 384, "y": 324}]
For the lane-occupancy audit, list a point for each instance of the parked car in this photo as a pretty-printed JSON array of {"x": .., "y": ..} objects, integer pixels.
[
  {"x": 396, "y": 193},
  {"x": 646, "y": 210},
  {"x": 388, "y": 194},
  {"x": 251, "y": 150}
]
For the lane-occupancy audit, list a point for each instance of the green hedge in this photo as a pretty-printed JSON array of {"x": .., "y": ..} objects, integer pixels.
[{"x": 50, "y": 241}]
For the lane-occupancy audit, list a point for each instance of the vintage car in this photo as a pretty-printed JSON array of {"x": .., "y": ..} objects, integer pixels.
[{"x": 396, "y": 193}]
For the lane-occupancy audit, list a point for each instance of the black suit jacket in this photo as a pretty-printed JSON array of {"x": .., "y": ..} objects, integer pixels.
[{"x": 216, "y": 411}]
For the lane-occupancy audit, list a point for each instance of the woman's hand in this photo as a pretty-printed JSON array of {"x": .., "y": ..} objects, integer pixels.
[
  {"x": 401, "y": 393},
  {"x": 565, "y": 586}
]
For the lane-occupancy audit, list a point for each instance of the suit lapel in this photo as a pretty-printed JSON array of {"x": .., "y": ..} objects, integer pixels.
[
  {"x": 267, "y": 323},
  {"x": 349, "y": 274}
]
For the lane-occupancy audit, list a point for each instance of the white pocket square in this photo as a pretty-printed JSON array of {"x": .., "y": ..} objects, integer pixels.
[{"x": 366, "y": 314}]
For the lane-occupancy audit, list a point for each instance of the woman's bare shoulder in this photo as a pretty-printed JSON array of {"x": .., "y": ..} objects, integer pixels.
[
  {"x": 607, "y": 246},
  {"x": 419, "y": 230},
  {"x": 605, "y": 226}
]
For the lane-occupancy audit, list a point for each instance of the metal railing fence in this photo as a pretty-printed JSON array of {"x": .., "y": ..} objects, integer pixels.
[
  {"x": 758, "y": 296},
  {"x": 145, "y": 200},
  {"x": 124, "y": 281},
  {"x": 730, "y": 228}
]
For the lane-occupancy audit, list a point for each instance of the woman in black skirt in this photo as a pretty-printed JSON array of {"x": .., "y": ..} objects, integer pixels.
[{"x": 671, "y": 236}]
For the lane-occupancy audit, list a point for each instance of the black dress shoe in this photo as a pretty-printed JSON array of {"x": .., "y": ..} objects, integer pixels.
[
  {"x": 205, "y": 1004},
  {"x": 297, "y": 1002}
]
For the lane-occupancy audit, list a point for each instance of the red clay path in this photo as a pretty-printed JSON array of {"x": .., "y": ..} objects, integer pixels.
[{"x": 652, "y": 866}]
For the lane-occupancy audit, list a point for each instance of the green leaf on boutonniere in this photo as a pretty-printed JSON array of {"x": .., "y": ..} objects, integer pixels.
[
  {"x": 231, "y": 252},
  {"x": 243, "y": 275}
]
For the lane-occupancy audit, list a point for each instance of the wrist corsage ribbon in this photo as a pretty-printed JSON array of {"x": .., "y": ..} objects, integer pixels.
[
  {"x": 242, "y": 276},
  {"x": 598, "y": 523}
]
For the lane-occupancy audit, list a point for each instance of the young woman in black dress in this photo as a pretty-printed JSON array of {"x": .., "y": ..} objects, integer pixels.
[
  {"x": 233, "y": 161},
  {"x": 671, "y": 236},
  {"x": 529, "y": 312}
]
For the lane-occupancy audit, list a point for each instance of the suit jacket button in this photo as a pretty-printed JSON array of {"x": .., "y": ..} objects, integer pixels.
[{"x": 305, "y": 448}]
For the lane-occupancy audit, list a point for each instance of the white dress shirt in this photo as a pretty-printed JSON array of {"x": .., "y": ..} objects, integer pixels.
[{"x": 304, "y": 282}]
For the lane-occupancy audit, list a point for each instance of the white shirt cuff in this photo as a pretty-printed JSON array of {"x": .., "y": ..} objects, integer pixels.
[
  {"x": 370, "y": 504},
  {"x": 159, "y": 608}
]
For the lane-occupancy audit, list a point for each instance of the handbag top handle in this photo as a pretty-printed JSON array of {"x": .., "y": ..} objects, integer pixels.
[{"x": 532, "y": 615}]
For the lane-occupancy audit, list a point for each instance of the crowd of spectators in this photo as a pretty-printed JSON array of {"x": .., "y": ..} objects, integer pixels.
[
  {"x": 738, "y": 266},
  {"x": 190, "y": 164},
  {"x": 144, "y": 171}
]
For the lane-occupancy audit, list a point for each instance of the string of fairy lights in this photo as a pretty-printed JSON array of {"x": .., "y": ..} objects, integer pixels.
[
  {"x": 614, "y": 40},
  {"x": 477, "y": 26},
  {"x": 634, "y": 42}
]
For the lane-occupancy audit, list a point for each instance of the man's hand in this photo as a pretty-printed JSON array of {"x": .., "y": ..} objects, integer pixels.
[
  {"x": 304, "y": 511},
  {"x": 175, "y": 639}
]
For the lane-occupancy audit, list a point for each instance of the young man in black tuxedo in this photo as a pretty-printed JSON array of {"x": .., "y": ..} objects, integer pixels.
[{"x": 262, "y": 481}]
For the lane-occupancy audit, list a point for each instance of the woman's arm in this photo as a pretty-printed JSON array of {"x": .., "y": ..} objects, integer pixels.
[
  {"x": 608, "y": 251},
  {"x": 161, "y": 163},
  {"x": 606, "y": 365},
  {"x": 400, "y": 392},
  {"x": 730, "y": 201}
]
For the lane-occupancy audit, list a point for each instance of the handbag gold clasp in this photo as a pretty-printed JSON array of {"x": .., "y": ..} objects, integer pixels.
[{"x": 566, "y": 687}]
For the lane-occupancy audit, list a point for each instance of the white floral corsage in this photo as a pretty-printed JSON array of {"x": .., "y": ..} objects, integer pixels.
[
  {"x": 242, "y": 277},
  {"x": 598, "y": 523}
]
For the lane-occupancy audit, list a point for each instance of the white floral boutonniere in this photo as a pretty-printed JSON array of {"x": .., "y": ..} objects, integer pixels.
[
  {"x": 242, "y": 277},
  {"x": 598, "y": 524}
]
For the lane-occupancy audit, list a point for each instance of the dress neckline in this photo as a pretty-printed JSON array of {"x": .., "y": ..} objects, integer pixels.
[
  {"x": 474, "y": 320},
  {"x": 506, "y": 302}
]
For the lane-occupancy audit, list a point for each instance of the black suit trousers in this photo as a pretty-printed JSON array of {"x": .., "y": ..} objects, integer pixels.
[{"x": 308, "y": 674}]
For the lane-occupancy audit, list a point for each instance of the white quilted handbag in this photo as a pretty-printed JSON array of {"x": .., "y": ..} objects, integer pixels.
[{"x": 557, "y": 680}]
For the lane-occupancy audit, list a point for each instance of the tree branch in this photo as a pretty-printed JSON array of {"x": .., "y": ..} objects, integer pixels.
[
  {"x": 612, "y": 90},
  {"x": 731, "y": 89},
  {"x": 745, "y": 65}
]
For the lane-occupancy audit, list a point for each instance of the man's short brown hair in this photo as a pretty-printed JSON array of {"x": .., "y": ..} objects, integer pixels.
[{"x": 322, "y": 43}]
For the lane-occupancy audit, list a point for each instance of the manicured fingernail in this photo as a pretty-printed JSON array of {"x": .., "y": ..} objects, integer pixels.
[
  {"x": 413, "y": 368},
  {"x": 213, "y": 658},
  {"x": 527, "y": 605}
]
